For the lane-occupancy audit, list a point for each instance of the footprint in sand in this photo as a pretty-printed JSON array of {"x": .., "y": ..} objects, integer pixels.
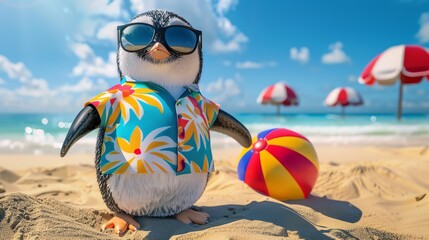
[
  {"x": 68, "y": 197},
  {"x": 234, "y": 210}
]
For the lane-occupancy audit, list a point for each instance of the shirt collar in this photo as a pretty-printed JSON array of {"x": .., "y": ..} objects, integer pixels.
[{"x": 191, "y": 87}]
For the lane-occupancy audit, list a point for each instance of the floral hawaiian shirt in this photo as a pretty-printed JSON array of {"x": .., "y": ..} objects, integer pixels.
[{"x": 148, "y": 131}]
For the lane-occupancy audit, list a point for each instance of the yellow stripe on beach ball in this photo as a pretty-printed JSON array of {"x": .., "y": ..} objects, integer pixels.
[
  {"x": 298, "y": 145},
  {"x": 281, "y": 185}
]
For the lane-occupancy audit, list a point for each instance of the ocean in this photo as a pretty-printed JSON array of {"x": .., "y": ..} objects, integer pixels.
[{"x": 44, "y": 133}]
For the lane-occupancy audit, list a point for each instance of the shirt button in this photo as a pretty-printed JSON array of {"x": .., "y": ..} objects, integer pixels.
[
  {"x": 179, "y": 116},
  {"x": 179, "y": 149}
]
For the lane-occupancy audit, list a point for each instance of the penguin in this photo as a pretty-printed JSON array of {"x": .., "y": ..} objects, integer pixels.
[{"x": 158, "y": 62}]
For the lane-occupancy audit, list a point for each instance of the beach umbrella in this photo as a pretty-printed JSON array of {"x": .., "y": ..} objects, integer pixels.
[
  {"x": 344, "y": 97},
  {"x": 278, "y": 94},
  {"x": 406, "y": 63}
]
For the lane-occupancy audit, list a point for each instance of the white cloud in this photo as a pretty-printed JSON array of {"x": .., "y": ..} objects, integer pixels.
[
  {"x": 35, "y": 94},
  {"x": 248, "y": 64},
  {"x": 108, "y": 31},
  {"x": 423, "y": 34},
  {"x": 226, "y": 26},
  {"x": 82, "y": 51},
  {"x": 33, "y": 87},
  {"x": 301, "y": 55},
  {"x": 234, "y": 45},
  {"x": 14, "y": 70},
  {"x": 224, "y": 6},
  {"x": 85, "y": 84},
  {"x": 138, "y": 6},
  {"x": 99, "y": 8},
  {"x": 94, "y": 15},
  {"x": 97, "y": 67},
  {"x": 254, "y": 65},
  {"x": 336, "y": 56},
  {"x": 91, "y": 65},
  {"x": 222, "y": 89},
  {"x": 2, "y": 81}
]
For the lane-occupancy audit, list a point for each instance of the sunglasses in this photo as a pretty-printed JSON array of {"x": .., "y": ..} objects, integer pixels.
[{"x": 134, "y": 37}]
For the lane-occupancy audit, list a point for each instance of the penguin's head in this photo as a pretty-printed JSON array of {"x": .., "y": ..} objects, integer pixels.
[{"x": 161, "y": 47}]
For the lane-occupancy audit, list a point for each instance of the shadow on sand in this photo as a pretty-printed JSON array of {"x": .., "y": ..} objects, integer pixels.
[
  {"x": 340, "y": 210},
  {"x": 271, "y": 212}
]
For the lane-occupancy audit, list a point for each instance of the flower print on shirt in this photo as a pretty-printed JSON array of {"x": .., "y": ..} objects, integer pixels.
[
  {"x": 142, "y": 154},
  {"x": 128, "y": 97}
]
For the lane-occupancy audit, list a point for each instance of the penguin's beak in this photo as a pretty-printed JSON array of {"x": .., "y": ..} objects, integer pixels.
[{"x": 158, "y": 52}]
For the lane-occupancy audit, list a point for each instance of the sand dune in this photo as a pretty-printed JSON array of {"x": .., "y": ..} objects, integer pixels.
[{"x": 361, "y": 193}]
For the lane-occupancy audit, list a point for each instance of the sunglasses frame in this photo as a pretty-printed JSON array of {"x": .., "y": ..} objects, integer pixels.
[{"x": 161, "y": 31}]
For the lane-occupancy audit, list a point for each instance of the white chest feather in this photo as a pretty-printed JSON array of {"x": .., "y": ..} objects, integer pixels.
[{"x": 157, "y": 195}]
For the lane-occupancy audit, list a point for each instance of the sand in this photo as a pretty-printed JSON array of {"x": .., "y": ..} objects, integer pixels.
[{"x": 361, "y": 193}]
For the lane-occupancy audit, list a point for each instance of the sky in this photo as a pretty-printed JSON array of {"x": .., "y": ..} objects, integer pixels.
[{"x": 55, "y": 55}]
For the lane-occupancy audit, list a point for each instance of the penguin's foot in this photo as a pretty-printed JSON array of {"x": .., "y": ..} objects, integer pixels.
[
  {"x": 191, "y": 216},
  {"x": 120, "y": 223}
]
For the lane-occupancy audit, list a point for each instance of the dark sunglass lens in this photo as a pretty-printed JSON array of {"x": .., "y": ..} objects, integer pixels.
[
  {"x": 136, "y": 37},
  {"x": 181, "y": 39}
]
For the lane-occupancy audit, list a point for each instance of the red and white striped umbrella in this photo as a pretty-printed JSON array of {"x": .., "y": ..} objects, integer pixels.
[
  {"x": 278, "y": 94},
  {"x": 343, "y": 97},
  {"x": 406, "y": 63}
]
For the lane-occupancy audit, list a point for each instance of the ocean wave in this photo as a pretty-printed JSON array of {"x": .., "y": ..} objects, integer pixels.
[{"x": 48, "y": 138}]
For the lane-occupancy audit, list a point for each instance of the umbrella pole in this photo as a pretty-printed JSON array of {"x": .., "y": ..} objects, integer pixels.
[
  {"x": 343, "y": 111},
  {"x": 399, "y": 113},
  {"x": 278, "y": 110}
]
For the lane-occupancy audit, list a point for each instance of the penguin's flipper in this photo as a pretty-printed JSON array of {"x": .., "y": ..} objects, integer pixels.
[
  {"x": 86, "y": 121},
  {"x": 230, "y": 126}
]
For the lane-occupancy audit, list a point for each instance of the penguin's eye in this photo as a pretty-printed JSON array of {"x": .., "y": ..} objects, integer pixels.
[
  {"x": 180, "y": 39},
  {"x": 136, "y": 37}
]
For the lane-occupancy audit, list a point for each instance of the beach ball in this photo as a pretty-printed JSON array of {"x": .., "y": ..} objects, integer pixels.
[{"x": 280, "y": 163}]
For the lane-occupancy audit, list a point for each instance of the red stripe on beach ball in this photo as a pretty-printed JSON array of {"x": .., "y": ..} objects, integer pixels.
[
  {"x": 301, "y": 168},
  {"x": 254, "y": 176}
]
